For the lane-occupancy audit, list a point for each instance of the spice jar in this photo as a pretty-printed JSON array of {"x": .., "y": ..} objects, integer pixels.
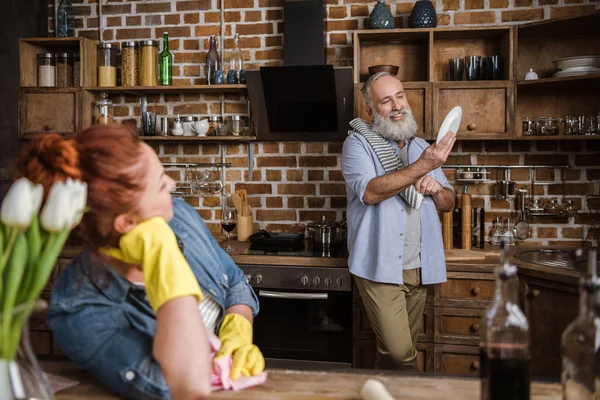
[
  {"x": 214, "y": 123},
  {"x": 104, "y": 110},
  {"x": 569, "y": 207},
  {"x": 149, "y": 63},
  {"x": 107, "y": 64},
  {"x": 46, "y": 70},
  {"x": 236, "y": 124},
  {"x": 64, "y": 70},
  {"x": 76, "y": 70},
  {"x": 546, "y": 126},
  {"x": 129, "y": 66},
  {"x": 552, "y": 207}
]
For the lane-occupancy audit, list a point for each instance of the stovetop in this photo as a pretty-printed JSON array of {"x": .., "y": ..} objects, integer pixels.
[{"x": 308, "y": 250}]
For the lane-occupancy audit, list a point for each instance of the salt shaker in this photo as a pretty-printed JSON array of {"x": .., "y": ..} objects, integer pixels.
[{"x": 177, "y": 127}]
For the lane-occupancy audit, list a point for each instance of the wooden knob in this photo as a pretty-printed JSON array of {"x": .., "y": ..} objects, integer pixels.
[
  {"x": 534, "y": 293},
  {"x": 48, "y": 127},
  {"x": 475, "y": 365},
  {"x": 475, "y": 327},
  {"x": 476, "y": 290},
  {"x": 471, "y": 127}
]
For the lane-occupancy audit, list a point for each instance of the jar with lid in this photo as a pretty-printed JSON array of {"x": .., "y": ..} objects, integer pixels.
[
  {"x": 569, "y": 207},
  {"x": 236, "y": 124},
  {"x": 214, "y": 125},
  {"x": 64, "y": 70},
  {"x": 104, "y": 110},
  {"x": 528, "y": 127},
  {"x": 547, "y": 126},
  {"x": 148, "y": 63},
  {"x": 107, "y": 64},
  {"x": 129, "y": 63},
  {"x": 552, "y": 207},
  {"x": 46, "y": 70},
  {"x": 76, "y": 70}
]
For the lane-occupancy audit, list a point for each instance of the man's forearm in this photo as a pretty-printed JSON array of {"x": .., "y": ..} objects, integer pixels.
[
  {"x": 444, "y": 200},
  {"x": 241, "y": 309},
  {"x": 383, "y": 187}
]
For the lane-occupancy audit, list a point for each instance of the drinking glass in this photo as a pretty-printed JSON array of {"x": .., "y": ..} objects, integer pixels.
[
  {"x": 228, "y": 222},
  {"x": 457, "y": 68},
  {"x": 473, "y": 67}
]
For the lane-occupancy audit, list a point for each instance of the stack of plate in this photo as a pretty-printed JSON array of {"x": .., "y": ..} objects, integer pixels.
[{"x": 577, "y": 66}]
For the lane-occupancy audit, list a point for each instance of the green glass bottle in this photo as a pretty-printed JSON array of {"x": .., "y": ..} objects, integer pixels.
[{"x": 166, "y": 63}]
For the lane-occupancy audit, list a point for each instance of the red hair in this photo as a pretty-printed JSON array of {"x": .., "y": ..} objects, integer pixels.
[{"x": 107, "y": 158}]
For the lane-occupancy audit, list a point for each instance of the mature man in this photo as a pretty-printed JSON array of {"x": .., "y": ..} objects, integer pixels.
[{"x": 395, "y": 188}]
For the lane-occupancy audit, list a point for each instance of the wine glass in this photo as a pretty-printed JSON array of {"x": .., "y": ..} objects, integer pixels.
[{"x": 228, "y": 222}]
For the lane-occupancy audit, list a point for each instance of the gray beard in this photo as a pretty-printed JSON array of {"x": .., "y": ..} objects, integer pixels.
[{"x": 395, "y": 130}]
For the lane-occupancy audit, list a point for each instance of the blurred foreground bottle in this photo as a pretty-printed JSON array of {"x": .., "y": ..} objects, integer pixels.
[
  {"x": 236, "y": 61},
  {"x": 505, "y": 357},
  {"x": 580, "y": 341}
]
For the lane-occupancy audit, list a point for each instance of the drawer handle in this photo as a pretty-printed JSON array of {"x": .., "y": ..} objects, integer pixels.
[
  {"x": 534, "y": 293},
  {"x": 475, "y": 327},
  {"x": 48, "y": 127},
  {"x": 475, "y": 365},
  {"x": 476, "y": 290},
  {"x": 471, "y": 127}
]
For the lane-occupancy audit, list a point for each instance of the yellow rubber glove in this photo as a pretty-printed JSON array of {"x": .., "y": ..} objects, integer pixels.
[
  {"x": 167, "y": 274},
  {"x": 236, "y": 341}
]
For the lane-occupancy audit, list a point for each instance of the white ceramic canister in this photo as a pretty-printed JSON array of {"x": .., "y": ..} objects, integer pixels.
[{"x": 187, "y": 121}]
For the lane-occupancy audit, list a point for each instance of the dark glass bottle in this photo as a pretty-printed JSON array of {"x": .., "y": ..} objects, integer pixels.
[
  {"x": 580, "y": 341},
  {"x": 65, "y": 19},
  {"x": 212, "y": 61},
  {"x": 166, "y": 63},
  {"x": 505, "y": 356}
]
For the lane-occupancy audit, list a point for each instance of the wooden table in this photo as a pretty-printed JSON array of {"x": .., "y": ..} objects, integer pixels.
[{"x": 311, "y": 385}]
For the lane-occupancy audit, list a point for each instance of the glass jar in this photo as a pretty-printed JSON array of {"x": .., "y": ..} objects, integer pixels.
[
  {"x": 76, "y": 69},
  {"x": 236, "y": 124},
  {"x": 104, "y": 110},
  {"x": 528, "y": 127},
  {"x": 215, "y": 122},
  {"x": 552, "y": 207},
  {"x": 107, "y": 64},
  {"x": 129, "y": 64},
  {"x": 571, "y": 125},
  {"x": 148, "y": 63},
  {"x": 46, "y": 70},
  {"x": 547, "y": 126},
  {"x": 64, "y": 70},
  {"x": 569, "y": 207}
]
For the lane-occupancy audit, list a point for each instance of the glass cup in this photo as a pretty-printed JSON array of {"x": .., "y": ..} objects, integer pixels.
[
  {"x": 589, "y": 125},
  {"x": 473, "y": 68},
  {"x": 495, "y": 68},
  {"x": 228, "y": 222},
  {"x": 457, "y": 69},
  {"x": 571, "y": 125}
]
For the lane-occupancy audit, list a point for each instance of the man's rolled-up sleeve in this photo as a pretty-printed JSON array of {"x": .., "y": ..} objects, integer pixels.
[{"x": 358, "y": 167}]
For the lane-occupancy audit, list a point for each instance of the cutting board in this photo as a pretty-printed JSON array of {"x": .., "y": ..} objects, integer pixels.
[{"x": 469, "y": 255}]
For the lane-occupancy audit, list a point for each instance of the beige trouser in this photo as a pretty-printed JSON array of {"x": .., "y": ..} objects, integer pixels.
[{"x": 395, "y": 313}]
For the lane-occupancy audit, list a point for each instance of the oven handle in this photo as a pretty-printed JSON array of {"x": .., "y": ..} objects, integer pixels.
[{"x": 289, "y": 295}]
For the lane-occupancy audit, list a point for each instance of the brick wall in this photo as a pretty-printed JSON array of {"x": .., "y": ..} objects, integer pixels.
[{"x": 298, "y": 182}]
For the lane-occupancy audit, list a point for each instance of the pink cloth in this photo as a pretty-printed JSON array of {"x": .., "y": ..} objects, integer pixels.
[{"x": 222, "y": 367}]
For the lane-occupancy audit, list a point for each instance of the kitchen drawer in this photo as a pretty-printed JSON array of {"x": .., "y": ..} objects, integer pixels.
[
  {"x": 464, "y": 289},
  {"x": 362, "y": 327},
  {"x": 49, "y": 112},
  {"x": 487, "y": 107},
  {"x": 458, "y": 325},
  {"x": 364, "y": 353},
  {"x": 456, "y": 360}
]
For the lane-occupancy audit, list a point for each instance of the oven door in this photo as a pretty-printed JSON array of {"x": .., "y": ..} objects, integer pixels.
[{"x": 304, "y": 329}]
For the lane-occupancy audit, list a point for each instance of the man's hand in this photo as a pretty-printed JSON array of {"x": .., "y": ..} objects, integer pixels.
[
  {"x": 436, "y": 154},
  {"x": 428, "y": 186}
]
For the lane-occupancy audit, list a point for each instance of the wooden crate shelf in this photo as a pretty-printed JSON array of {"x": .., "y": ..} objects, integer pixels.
[
  {"x": 140, "y": 90},
  {"x": 188, "y": 139}
]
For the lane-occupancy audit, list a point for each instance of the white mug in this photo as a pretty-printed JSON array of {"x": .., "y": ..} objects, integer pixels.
[{"x": 200, "y": 127}]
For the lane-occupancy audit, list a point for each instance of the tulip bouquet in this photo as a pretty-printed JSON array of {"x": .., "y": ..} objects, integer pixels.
[{"x": 29, "y": 246}]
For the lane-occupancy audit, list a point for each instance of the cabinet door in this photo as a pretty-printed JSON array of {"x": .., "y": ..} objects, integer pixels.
[
  {"x": 45, "y": 112},
  {"x": 550, "y": 307},
  {"x": 487, "y": 107},
  {"x": 456, "y": 360},
  {"x": 419, "y": 99}
]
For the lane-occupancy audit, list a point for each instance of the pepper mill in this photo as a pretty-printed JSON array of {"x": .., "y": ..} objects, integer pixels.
[{"x": 465, "y": 202}]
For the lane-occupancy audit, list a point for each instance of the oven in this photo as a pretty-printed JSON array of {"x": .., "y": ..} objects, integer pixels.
[{"x": 305, "y": 319}]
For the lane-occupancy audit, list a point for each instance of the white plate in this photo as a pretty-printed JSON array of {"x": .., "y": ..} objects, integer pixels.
[
  {"x": 451, "y": 123},
  {"x": 579, "y": 61}
]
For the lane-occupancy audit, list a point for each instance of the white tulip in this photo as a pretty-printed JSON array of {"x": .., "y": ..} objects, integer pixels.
[
  {"x": 22, "y": 201},
  {"x": 64, "y": 206}
]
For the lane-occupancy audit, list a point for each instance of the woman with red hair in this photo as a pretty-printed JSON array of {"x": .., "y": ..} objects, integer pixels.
[{"x": 137, "y": 329}]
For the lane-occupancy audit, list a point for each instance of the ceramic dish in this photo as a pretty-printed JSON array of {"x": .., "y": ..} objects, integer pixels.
[{"x": 451, "y": 123}]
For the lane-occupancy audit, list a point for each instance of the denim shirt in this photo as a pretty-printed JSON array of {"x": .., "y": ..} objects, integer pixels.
[
  {"x": 105, "y": 325},
  {"x": 376, "y": 232}
]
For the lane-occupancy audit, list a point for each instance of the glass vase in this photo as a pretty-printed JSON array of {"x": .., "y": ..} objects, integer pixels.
[{"x": 21, "y": 377}]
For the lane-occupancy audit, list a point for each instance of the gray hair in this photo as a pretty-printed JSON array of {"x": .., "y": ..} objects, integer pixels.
[{"x": 366, "y": 89}]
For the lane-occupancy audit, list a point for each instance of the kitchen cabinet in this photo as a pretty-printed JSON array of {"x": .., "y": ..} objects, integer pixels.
[
  {"x": 456, "y": 360},
  {"x": 42, "y": 111}
]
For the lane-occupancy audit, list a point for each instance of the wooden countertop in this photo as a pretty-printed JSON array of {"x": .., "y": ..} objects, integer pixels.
[{"x": 316, "y": 385}]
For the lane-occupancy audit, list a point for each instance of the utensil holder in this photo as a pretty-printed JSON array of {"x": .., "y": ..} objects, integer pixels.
[{"x": 245, "y": 227}]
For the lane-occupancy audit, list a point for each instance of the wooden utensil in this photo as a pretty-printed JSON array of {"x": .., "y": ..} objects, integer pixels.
[
  {"x": 237, "y": 202},
  {"x": 244, "y": 200}
]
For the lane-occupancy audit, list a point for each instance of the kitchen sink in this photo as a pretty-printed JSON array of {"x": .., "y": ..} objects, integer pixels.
[{"x": 554, "y": 258}]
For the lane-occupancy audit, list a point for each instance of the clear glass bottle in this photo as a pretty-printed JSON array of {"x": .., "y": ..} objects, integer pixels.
[
  {"x": 212, "y": 61},
  {"x": 505, "y": 356},
  {"x": 236, "y": 58},
  {"x": 579, "y": 341},
  {"x": 65, "y": 19},
  {"x": 166, "y": 63}
]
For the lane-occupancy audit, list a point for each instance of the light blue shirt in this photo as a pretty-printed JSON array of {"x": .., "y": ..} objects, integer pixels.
[{"x": 376, "y": 232}]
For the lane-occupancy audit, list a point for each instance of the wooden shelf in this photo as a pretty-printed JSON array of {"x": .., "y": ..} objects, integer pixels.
[
  {"x": 168, "y": 89},
  {"x": 55, "y": 42},
  {"x": 558, "y": 137},
  {"x": 556, "y": 82},
  {"x": 199, "y": 138}
]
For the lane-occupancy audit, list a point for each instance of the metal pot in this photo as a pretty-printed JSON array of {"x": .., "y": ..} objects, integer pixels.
[{"x": 327, "y": 233}]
